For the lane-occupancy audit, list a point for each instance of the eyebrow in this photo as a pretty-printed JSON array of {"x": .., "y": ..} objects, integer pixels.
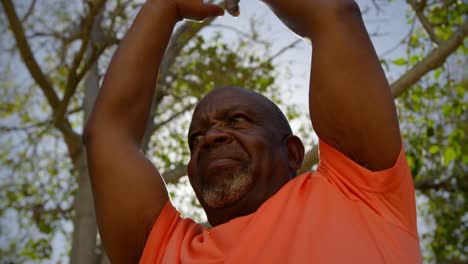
[
  {"x": 222, "y": 114},
  {"x": 234, "y": 108}
]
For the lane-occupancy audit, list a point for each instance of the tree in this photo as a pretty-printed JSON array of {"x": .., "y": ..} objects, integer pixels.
[
  {"x": 54, "y": 58},
  {"x": 434, "y": 125}
]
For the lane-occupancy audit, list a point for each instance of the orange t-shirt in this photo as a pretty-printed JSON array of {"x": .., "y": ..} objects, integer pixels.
[{"x": 343, "y": 213}]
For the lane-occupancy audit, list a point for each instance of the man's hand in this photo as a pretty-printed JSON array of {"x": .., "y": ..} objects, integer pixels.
[
  {"x": 304, "y": 16},
  {"x": 194, "y": 9},
  {"x": 232, "y": 6}
]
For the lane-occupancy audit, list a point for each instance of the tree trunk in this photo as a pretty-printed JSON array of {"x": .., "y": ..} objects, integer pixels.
[
  {"x": 85, "y": 228},
  {"x": 84, "y": 222}
]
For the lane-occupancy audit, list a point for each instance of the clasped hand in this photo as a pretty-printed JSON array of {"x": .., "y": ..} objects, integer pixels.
[{"x": 299, "y": 15}]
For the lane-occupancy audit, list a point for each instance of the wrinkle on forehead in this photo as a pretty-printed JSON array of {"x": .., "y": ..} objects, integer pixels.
[
  {"x": 227, "y": 99},
  {"x": 226, "y": 94}
]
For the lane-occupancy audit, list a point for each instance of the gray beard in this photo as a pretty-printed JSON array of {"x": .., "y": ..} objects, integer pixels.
[{"x": 229, "y": 190}]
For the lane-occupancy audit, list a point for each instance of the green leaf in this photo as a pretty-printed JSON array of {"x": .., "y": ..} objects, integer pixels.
[
  {"x": 437, "y": 74},
  {"x": 465, "y": 159},
  {"x": 434, "y": 149},
  {"x": 449, "y": 155},
  {"x": 400, "y": 62}
]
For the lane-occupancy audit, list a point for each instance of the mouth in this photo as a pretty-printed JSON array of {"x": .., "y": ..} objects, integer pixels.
[{"x": 223, "y": 163}]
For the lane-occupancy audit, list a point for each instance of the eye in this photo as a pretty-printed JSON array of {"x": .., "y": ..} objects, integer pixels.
[
  {"x": 238, "y": 118},
  {"x": 195, "y": 139}
]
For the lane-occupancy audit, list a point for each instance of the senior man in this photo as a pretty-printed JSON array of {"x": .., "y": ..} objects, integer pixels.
[{"x": 358, "y": 207}]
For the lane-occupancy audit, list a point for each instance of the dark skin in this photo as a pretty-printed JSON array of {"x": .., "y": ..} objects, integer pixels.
[
  {"x": 350, "y": 103},
  {"x": 238, "y": 129}
]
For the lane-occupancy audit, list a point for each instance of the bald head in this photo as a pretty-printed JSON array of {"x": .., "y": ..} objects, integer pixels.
[{"x": 224, "y": 93}]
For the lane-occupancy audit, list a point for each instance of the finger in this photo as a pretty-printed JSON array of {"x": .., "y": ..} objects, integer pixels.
[
  {"x": 211, "y": 10},
  {"x": 200, "y": 12},
  {"x": 232, "y": 6}
]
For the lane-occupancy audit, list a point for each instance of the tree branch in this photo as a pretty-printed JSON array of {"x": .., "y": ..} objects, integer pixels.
[
  {"x": 74, "y": 77},
  {"x": 311, "y": 158},
  {"x": 27, "y": 55},
  {"x": 174, "y": 175},
  {"x": 395, "y": 47},
  {"x": 152, "y": 127},
  {"x": 96, "y": 52},
  {"x": 72, "y": 139},
  {"x": 419, "y": 10},
  {"x": 39, "y": 209},
  {"x": 23, "y": 128},
  {"x": 29, "y": 11},
  {"x": 239, "y": 32},
  {"x": 433, "y": 60},
  {"x": 284, "y": 49},
  {"x": 179, "y": 39},
  {"x": 171, "y": 118},
  {"x": 427, "y": 184},
  {"x": 376, "y": 6},
  {"x": 35, "y": 125}
]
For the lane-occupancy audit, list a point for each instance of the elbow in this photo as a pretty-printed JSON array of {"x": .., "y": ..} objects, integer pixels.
[
  {"x": 89, "y": 132},
  {"x": 86, "y": 135},
  {"x": 102, "y": 130}
]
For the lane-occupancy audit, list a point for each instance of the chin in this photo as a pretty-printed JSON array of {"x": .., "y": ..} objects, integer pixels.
[{"x": 228, "y": 191}]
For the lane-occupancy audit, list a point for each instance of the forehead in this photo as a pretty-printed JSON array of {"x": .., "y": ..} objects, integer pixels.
[{"x": 228, "y": 99}]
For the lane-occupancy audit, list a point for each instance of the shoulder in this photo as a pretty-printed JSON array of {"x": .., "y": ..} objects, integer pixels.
[{"x": 169, "y": 226}]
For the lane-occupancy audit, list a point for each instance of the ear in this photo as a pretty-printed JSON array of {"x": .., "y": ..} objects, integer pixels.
[{"x": 295, "y": 153}]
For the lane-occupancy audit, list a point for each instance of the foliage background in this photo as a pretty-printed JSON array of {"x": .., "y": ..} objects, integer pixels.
[{"x": 53, "y": 54}]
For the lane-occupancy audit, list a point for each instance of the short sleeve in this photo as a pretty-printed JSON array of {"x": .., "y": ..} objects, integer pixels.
[
  {"x": 167, "y": 236},
  {"x": 389, "y": 192},
  {"x": 159, "y": 234}
]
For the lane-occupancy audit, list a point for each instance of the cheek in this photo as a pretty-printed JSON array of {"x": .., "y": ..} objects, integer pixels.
[
  {"x": 261, "y": 144},
  {"x": 267, "y": 153},
  {"x": 259, "y": 152},
  {"x": 192, "y": 172}
]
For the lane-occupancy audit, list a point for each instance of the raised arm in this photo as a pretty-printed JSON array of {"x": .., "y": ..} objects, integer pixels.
[
  {"x": 350, "y": 102},
  {"x": 129, "y": 192}
]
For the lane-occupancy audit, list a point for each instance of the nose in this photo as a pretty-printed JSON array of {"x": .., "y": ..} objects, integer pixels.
[{"x": 214, "y": 137}]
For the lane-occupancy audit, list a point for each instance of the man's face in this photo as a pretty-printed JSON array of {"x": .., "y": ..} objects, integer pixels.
[{"x": 238, "y": 157}]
